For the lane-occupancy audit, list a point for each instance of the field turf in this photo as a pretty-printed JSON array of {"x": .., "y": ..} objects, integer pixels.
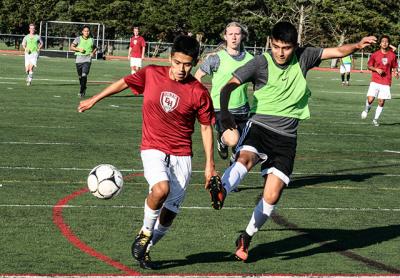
[{"x": 340, "y": 215}]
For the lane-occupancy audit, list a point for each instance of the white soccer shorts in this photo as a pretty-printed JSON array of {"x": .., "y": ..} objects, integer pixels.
[
  {"x": 175, "y": 169},
  {"x": 379, "y": 90},
  {"x": 31, "y": 59},
  {"x": 136, "y": 62},
  {"x": 345, "y": 68}
]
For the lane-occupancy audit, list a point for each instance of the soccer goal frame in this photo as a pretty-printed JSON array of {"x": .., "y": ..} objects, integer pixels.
[{"x": 98, "y": 36}]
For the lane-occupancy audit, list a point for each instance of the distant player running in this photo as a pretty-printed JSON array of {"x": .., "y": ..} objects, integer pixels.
[
  {"x": 381, "y": 63},
  {"x": 280, "y": 103},
  {"x": 345, "y": 69},
  {"x": 173, "y": 100},
  {"x": 32, "y": 44},
  {"x": 220, "y": 66},
  {"x": 85, "y": 49},
  {"x": 137, "y": 47}
]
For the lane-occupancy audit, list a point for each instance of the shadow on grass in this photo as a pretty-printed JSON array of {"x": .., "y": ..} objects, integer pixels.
[
  {"x": 319, "y": 179},
  {"x": 328, "y": 240}
]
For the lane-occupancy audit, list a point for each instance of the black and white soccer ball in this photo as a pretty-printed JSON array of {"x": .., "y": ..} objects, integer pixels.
[{"x": 105, "y": 181}]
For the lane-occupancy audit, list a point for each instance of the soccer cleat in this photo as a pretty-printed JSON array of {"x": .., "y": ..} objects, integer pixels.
[
  {"x": 139, "y": 246},
  {"x": 217, "y": 192},
  {"x": 375, "y": 122},
  {"x": 347, "y": 83},
  {"x": 146, "y": 262},
  {"x": 364, "y": 115},
  {"x": 222, "y": 148},
  {"x": 82, "y": 93},
  {"x": 242, "y": 246}
]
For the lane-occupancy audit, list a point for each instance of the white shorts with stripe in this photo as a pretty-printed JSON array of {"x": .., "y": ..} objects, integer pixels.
[
  {"x": 345, "y": 68},
  {"x": 177, "y": 170},
  {"x": 378, "y": 90},
  {"x": 136, "y": 62},
  {"x": 31, "y": 59}
]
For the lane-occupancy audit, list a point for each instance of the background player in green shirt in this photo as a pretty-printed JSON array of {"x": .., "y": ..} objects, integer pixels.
[
  {"x": 280, "y": 102},
  {"x": 220, "y": 65},
  {"x": 32, "y": 43},
  {"x": 85, "y": 49}
]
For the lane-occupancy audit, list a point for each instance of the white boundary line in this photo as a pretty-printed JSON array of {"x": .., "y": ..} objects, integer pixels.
[
  {"x": 389, "y": 151},
  {"x": 199, "y": 207},
  {"x": 141, "y": 170},
  {"x": 38, "y": 143},
  {"x": 207, "y": 275}
]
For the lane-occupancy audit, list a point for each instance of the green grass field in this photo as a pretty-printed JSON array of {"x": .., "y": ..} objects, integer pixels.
[{"x": 340, "y": 215}]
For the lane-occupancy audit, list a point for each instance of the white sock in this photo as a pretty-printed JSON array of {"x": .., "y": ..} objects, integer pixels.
[
  {"x": 378, "y": 112},
  {"x": 367, "y": 106},
  {"x": 261, "y": 212},
  {"x": 149, "y": 219},
  {"x": 233, "y": 176},
  {"x": 158, "y": 233}
]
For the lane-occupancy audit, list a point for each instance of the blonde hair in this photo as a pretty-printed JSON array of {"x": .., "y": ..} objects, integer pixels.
[
  {"x": 243, "y": 29},
  {"x": 222, "y": 45}
]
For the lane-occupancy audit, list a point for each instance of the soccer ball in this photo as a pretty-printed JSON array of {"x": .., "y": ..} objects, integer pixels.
[{"x": 105, "y": 181}]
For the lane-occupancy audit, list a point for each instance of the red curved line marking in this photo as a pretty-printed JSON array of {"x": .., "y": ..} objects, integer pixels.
[{"x": 71, "y": 237}]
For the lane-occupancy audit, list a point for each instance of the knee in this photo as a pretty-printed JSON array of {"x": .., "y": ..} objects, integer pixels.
[
  {"x": 272, "y": 198},
  {"x": 159, "y": 193}
]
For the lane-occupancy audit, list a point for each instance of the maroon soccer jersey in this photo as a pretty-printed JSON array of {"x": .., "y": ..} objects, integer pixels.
[
  {"x": 137, "y": 44},
  {"x": 170, "y": 109},
  {"x": 385, "y": 61}
]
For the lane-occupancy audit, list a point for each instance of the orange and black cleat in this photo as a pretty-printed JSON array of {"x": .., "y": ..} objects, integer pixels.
[{"x": 217, "y": 192}]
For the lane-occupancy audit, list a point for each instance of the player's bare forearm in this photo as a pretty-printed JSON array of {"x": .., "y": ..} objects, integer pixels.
[
  {"x": 208, "y": 144},
  {"x": 199, "y": 74},
  {"x": 110, "y": 90},
  {"x": 347, "y": 49}
]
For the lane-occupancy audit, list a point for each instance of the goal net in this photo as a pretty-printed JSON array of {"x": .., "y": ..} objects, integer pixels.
[{"x": 57, "y": 36}]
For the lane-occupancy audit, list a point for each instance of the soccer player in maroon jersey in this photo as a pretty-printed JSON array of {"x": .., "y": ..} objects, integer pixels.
[
  {"x": 173, "y": 100},
  {"x": 137, "y": 46},
  {"x": 381, "y": 63}
]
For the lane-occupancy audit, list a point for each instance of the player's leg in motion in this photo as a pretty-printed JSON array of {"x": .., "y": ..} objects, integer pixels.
[
  {"x": 83, "y": 78},
  {"x": 273, "y": 187},
  {"x": 348, "y": 79},
  {"x": 161, "y": 227},
  {"x": 368, "y": 105},
  {"x": 152, "y": 208},
  {"x": 378, "y": 111}
]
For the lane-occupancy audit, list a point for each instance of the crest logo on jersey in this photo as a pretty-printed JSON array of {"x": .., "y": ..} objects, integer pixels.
[
  {"x": 169, "y": 101},
  {"x": 384, "y": 61}
]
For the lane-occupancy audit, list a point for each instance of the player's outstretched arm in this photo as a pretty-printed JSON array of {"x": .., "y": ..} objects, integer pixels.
[
  {"x": 347, "y": 49},
  {"x": 208, "y": 144},
  {"x": 110, "y": 90}
]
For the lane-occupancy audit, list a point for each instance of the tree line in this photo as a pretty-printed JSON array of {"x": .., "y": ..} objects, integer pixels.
[{"x": 320, "y": 22}]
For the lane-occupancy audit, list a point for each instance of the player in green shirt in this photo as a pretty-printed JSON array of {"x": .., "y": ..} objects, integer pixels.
[
  {"x": 85, "y": 49},
  {"x": 32, "y": 43},
  {"x": 220, "y": 65},
  {"x": 280, "y": 103}
]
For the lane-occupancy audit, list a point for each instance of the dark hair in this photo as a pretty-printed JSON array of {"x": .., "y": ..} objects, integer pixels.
[
  {"x": 384, "y": 37},
  {"x": 285, "y": 32},
  {"x": 186, "y": 45},
  {"x": 85, "y": 26}
]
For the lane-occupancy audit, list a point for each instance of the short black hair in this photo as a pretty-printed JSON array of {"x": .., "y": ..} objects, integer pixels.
[
  {"x": 284, "y": 31},
  {"x": 384, "y": 37},
  {"x": 186, "y": 45}
]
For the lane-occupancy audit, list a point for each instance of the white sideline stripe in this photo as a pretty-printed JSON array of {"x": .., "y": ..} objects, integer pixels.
[
  {"x": 141, "y": 170},
  {"x": 207, "y": 275},
  {"x": 38, "y": 143},
  {"x": 389, "y": 151},
  {"x": 53, "y": 80},
  {"x": 5, "y": 82},
  {"x": 198, "y": 207}
]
